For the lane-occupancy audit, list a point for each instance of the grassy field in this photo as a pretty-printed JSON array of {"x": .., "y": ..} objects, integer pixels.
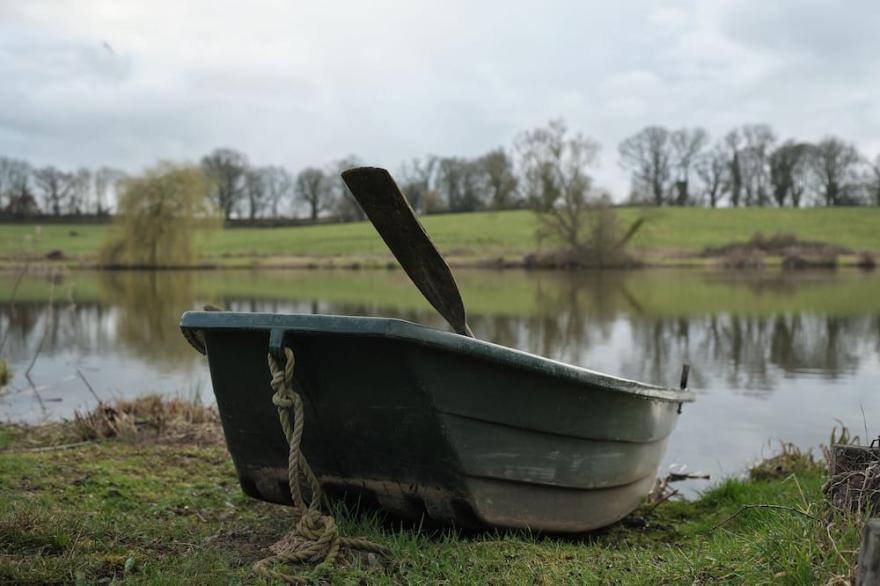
[
  {"x": 487, "y": 234},
  {"x": 167, "y": 509}
]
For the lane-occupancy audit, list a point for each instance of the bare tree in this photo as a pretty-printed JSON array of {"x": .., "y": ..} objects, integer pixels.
[
  {"x": 836, "y": 167},
  {"x": 875, "y": 180},
  {"x": 459, "y": 182},
  {"x": 314, "y": 189},
  {"x": 255, "y": 190},
  {"x": 499, "y": 178},
  {"x": 347, "y": 207},
  {"x": 417, "y": 183},
  {"x": 647, "y": 155},
  {"x": 80, "y": 191},
  {"x": 733, "y": 144},
  {"x": 225, "y": 169},
  {"x": 759, "y": 139},
  {"x": 788, "y": 162},
  {"x": 553, "y": 164},
  {"x": 6, "y": 165},
  {"x": 279, "y": 186},
  {"x": 555, "y": 167},
  {"x": 15, "y": 186},
  {"x": 55, "y": 186},
  {"x": 713, "y": 169},
  {"x": 107, "y": 183},
  {"x": 686, "y": 145},
  {"x": 803, "y": 176}
]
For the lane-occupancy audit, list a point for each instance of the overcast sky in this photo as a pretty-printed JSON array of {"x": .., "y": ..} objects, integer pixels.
[{"x": 304, "y": 83}]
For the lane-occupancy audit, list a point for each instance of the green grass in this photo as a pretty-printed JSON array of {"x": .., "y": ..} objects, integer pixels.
[
  {"x": 146, "y": 513},
  {"x": 485, "y": 234}
]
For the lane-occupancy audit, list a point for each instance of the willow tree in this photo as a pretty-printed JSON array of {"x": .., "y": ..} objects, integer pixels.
[{"x": 159, "y": 216}]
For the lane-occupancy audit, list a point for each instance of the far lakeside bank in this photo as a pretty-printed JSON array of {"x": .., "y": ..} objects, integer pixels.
[{"x": 744, "y": 238}]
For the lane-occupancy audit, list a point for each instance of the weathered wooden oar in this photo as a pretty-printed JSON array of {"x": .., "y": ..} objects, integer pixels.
[{"x": 397, "y": 224}]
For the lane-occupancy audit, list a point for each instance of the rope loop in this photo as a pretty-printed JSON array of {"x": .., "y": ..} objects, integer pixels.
[{"x": 315, "y": 539}]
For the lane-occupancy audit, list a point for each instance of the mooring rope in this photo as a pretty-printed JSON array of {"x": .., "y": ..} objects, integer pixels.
[{"x": 315, "y": 539}]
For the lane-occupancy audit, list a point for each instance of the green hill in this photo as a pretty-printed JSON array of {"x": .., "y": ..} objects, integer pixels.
[{"x": 485, "y": 234}]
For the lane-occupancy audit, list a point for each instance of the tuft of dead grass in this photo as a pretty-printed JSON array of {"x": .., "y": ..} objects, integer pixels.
[
  {"x": 150, "y": 418},
  {"x": 5, "y": 373},
  {"x": 789, "y": 460}
]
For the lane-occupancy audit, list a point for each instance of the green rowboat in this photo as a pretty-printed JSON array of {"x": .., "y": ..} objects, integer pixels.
[{"x": 435, "y": 425}]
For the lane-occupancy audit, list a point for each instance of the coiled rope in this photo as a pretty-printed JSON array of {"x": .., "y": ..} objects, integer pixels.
[{"x": 314, "y": 540}]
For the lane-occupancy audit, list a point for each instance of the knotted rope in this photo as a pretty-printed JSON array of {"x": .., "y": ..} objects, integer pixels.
[{"x": 315, "y": 539}]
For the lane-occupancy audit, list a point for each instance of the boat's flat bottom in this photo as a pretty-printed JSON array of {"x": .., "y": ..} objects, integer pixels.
[{"x": 491, "y": 503}]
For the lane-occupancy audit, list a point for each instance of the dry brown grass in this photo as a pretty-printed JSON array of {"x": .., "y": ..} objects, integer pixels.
[
  {"x": 151, "y": 418},
  {"x": 5, "y": 373},
  {"x": 789, "y": 460}
]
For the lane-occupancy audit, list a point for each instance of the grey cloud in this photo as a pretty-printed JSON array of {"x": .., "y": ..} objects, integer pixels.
[{"x": 306, "y": 83}]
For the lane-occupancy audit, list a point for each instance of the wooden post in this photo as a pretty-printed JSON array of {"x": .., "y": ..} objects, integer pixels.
[
  {"x": 853, "y": 478},
  {"x": 868, "y": 572}
]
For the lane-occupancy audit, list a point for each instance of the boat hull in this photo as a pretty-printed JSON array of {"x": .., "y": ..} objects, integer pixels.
[{"x": 432, "y": 424}]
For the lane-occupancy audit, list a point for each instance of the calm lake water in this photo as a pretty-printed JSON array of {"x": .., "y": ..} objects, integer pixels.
[{"x": 774, "y": 356}]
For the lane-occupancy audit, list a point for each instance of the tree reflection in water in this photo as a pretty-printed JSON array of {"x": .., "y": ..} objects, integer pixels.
[{"x": 739, "y": 331}]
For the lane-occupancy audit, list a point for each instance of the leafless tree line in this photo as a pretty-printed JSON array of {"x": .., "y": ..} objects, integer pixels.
[
  {"x": 545, "y": 168},
  {"x": 746, "y": 167},
  {"x": 28, "y": 190}
]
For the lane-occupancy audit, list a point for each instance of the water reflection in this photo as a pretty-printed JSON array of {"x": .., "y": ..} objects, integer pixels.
[
  {"x": 774, "y": 328},
  {"x": 761, "y": 346},
  {"x": 149, "y": 305},
  {"x": 750, "y": 353}
]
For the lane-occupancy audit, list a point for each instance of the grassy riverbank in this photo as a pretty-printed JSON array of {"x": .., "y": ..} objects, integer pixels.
[
  {"x": 668, "y": 236},
  {"x": 166, "y": 508}
]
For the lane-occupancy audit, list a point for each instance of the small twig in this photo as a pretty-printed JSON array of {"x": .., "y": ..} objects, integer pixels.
[
  {"x": 45, "y": 329},
  {"x": 91, "y": 390},
  {"x": 834, "y": 544},
  {"x": 660, "y": 501},
  {"x": 681, "y": 476},
  {"x": 763, "y": 506},
  {"x": 13, "y": 313},
  {"x": 27, "y": 377}
]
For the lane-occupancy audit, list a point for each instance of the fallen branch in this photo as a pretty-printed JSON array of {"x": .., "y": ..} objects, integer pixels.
[{"x": 49, "y": 448}]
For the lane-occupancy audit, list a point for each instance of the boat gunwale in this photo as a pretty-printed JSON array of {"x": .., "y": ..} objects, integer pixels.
[{"x": 398, "y": 329}]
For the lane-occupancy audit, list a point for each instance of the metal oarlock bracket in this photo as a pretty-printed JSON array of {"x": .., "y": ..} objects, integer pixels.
[
  {"x": 276, "y": 345},
  {"x": 685, "y": 371}
]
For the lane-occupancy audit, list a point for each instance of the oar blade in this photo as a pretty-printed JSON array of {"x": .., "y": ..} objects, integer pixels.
[{"x": 397, "y": 224}]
